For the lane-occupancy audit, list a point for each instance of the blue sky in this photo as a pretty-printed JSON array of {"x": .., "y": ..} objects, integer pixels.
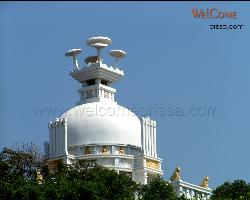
[{"x": 174, "y": 63}]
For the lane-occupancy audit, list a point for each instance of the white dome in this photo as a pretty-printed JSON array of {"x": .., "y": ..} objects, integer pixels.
[{"x": 102, "y": 123}]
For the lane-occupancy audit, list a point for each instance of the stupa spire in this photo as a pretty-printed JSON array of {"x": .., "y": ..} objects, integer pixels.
[{"x": 96, "y": 77}]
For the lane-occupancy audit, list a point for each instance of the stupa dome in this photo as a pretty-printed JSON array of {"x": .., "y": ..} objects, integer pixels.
[{"x": 102, "y": 123}]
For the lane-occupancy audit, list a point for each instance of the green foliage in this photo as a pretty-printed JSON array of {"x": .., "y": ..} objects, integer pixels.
[
  {"x": 157, "y": 189},
  {"x": 84, "y": 179},
  {"x": 18, "y": 173},
  {"x": 81, "y": 180},
  {"x": 88, "y": 180},
  {"x": 237, "y": 190}
]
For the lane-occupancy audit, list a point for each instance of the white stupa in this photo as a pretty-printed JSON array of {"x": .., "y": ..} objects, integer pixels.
[{"x": 98, "y": 128}]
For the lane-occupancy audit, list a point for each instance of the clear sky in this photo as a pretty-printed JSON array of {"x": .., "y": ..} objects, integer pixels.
[{"x": 195, "y": 81}]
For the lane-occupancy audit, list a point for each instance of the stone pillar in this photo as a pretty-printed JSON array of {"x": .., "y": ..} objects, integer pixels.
[
  {"x": 146, "y": 138},
  {"x": 155, "y": 139},
  {"x": 50, "y": 139},
  {"x": 59, "y": 138},
  {"x": 65, "y": 135},
  {"x": 149, "y": 138},
  {"x": 152, "y": 137},
  {"x": 53, "y": 139},
  {"x": 149, "y": 133},
  {"x": 144, "y": 135},
  {"x": 145, "y": 176}
]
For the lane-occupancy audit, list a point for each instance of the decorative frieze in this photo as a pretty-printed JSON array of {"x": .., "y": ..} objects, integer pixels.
[
  {"x": 96, "y": 92},
  {"x": 152, "y": 164}
]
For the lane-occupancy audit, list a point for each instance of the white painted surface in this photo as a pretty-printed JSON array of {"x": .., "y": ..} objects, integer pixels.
[
  {"x": 102, "y": 123},
  {"x": 190, "y": 190},
  {"x": 99, "y": 121}
]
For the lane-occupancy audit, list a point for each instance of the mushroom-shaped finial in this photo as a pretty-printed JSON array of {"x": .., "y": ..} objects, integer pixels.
[
  {"x": 99, "y": 39},
  {"x": 99, "y": 42},
  {"x": 117, "y": 54},
  {"x": 72, "y": 53},
  {"x": 98, "y": 47}
]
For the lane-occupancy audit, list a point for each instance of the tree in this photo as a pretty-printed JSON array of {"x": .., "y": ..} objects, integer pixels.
[
  {"x": 157, "y": 189},
  {"x": 18, "y": 173},
  {"x": 84, "y": 179},
  {"x": 238, "y": 189},
  {"x": 24, "y": 160}
]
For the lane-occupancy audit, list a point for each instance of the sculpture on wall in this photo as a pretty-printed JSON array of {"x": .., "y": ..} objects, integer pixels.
[
  {"x": 176, "y": 174},
  {"x": 87, "y": 150},
  {"x": 121, "y": 151},
  {"x": 104, "y": 150},
  {"x": 204, "y": 182}
]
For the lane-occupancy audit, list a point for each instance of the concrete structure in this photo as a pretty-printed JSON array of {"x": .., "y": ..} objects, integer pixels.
[
  {"x": 98, "y": 128},
  {"x": 191, "y": 191}
]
